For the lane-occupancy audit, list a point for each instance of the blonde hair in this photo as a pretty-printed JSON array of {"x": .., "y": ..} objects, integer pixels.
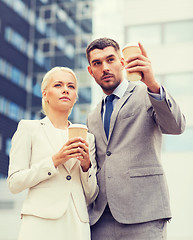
[{"x": 47, "y": 77}]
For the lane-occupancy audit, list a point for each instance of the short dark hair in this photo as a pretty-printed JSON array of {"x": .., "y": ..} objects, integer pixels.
[{"x": 101, "y": 43}]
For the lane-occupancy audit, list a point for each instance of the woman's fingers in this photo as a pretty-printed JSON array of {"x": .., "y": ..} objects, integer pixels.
[{"x": 74, "y": 148}]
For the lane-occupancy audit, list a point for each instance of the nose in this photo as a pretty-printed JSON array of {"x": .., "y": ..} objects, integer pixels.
[
  {"x": 65, "y": 90},
  {"x": 105, "y": 67}
]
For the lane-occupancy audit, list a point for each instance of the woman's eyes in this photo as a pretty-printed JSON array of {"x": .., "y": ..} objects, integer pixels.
[
  {"x": 71, "y": 86},
  {"x": 57, "y": 85},
  {"x": 60, "y": 85}
]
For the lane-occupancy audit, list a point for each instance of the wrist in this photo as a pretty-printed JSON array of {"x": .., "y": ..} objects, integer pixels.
[
  {"x": 86, "y": 167},
  {"x": 154, "y": 88},
  {"x": 56, "y": 161}
]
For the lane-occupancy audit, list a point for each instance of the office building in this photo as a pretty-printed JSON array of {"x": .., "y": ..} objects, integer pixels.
[{"x": 36, "y": 35}]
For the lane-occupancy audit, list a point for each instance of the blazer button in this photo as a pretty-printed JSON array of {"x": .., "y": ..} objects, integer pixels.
[
  {"x": 108, "y": 153},
  {"x": 68, "y": 177}
]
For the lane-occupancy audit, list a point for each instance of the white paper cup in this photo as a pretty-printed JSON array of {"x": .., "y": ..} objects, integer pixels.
[
  {"x": 129, "y": 50},
  {"x": 77, "y": 130}
]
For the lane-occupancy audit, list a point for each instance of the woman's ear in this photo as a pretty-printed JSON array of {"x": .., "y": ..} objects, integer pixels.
[{"x": 44, "y": 95}]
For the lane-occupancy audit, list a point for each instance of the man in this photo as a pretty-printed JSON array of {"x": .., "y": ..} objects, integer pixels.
[{"x": 133, "y": 201}]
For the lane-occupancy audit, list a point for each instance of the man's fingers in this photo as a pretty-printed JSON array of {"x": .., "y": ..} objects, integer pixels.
[{"x": 143, "y": 51}]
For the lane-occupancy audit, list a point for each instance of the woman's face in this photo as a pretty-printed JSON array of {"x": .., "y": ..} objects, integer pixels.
[{"x": 61, "y": 91}]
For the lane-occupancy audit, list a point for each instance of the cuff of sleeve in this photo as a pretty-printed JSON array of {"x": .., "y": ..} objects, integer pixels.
[
  {"x": 160, "y": 96},
  {"x": 86, "y": 175},
  {"x": 49, "y": 168}
]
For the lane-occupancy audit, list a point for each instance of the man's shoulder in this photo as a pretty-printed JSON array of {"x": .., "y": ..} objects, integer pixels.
[{"x": 95, "y": 110}]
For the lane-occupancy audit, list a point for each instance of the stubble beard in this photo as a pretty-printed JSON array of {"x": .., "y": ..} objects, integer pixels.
[{"x": 111, "y": 87}]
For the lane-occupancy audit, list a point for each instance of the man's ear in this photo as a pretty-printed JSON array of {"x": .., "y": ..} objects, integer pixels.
[
  {"x": 90, "y": 70},
  {"x": 122, "y": 61}
]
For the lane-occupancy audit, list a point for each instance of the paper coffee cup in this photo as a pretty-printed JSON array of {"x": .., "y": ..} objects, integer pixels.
[
  {"x": 129, "y": 50},
  {"x": 77, "y": 130}
]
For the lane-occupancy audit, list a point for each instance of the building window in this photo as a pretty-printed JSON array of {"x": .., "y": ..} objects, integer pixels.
[
  {"x": 37, "y": 90},
  {"x": 3, "y": 106},
  {"x": 180, "y": 86},
  {"x": 12, "y": 110},
  {"x": 39, "y": 58},
  {"x": 161, "y": 33},
  {"x": 16, "y": 40},
  {"x": 40, "y": 25},
  {"x": 177, "y": 32},
  {"x": 44, "y": 1},
  {"x": 2, "y": 66},
  {"x": 7, "y": 146},
  {"x": 179, "y": 143},
  {"x": 84, "y": 95},
  {"x": 20, "y": 8},
  {"x": 69, "y": 49},
  {"x": 1, "y": 142},
  {"x": 13, "y": 74},
  {"x": 147, "y": 34}
]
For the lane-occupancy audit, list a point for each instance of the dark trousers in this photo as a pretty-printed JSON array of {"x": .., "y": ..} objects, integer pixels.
[{"x": 107, "y": 228}]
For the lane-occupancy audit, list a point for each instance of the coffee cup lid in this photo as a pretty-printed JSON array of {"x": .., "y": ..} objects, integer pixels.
[
  {"x": 78, "y": 126},
  {"x": 131, "y": 44}
]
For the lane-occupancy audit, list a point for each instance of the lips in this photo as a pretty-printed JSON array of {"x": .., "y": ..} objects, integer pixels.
[
  {"x": 107, "y": 76},
  {"x": 64, "y": 98}
]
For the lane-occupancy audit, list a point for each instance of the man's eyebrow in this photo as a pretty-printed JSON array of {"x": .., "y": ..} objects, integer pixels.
[
  {"x": 112, "y": 55},
  {"x": 95, "y": 60}
]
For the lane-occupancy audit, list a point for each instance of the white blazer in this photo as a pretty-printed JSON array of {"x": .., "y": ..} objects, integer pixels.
[{"x": 50, "y": 189}]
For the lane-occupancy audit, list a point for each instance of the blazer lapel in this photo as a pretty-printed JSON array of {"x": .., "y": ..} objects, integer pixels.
[
  {"x": 49, "y": 132},
  {"x": 119, "y": 105},
  {"x": 51, "y": 135}
]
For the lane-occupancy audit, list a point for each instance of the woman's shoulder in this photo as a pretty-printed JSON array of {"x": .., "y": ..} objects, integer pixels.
[{"x": 28, "y": 124}]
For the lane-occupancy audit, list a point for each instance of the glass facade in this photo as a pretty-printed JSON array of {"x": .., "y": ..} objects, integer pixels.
[
  {"x": 179, "y": 84},
  {"x": 161, "y": 33},
  {"x": 38, "y": 35}
]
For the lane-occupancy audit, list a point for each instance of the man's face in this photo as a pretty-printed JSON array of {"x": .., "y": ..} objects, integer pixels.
[{"x": 106, "y": 67}]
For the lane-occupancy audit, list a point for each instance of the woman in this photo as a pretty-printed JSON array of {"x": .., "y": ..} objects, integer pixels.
[{"x": 59, "y": 173}]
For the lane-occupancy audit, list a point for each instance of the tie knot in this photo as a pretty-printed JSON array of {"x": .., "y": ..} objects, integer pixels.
[{"x": 110, "y": 98}]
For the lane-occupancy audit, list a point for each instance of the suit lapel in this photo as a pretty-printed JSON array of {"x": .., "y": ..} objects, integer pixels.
[
  {"x": 119, "y": 105},
  {"x": 100, "y": 121},
  {"x": 116, "y": 110}
]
